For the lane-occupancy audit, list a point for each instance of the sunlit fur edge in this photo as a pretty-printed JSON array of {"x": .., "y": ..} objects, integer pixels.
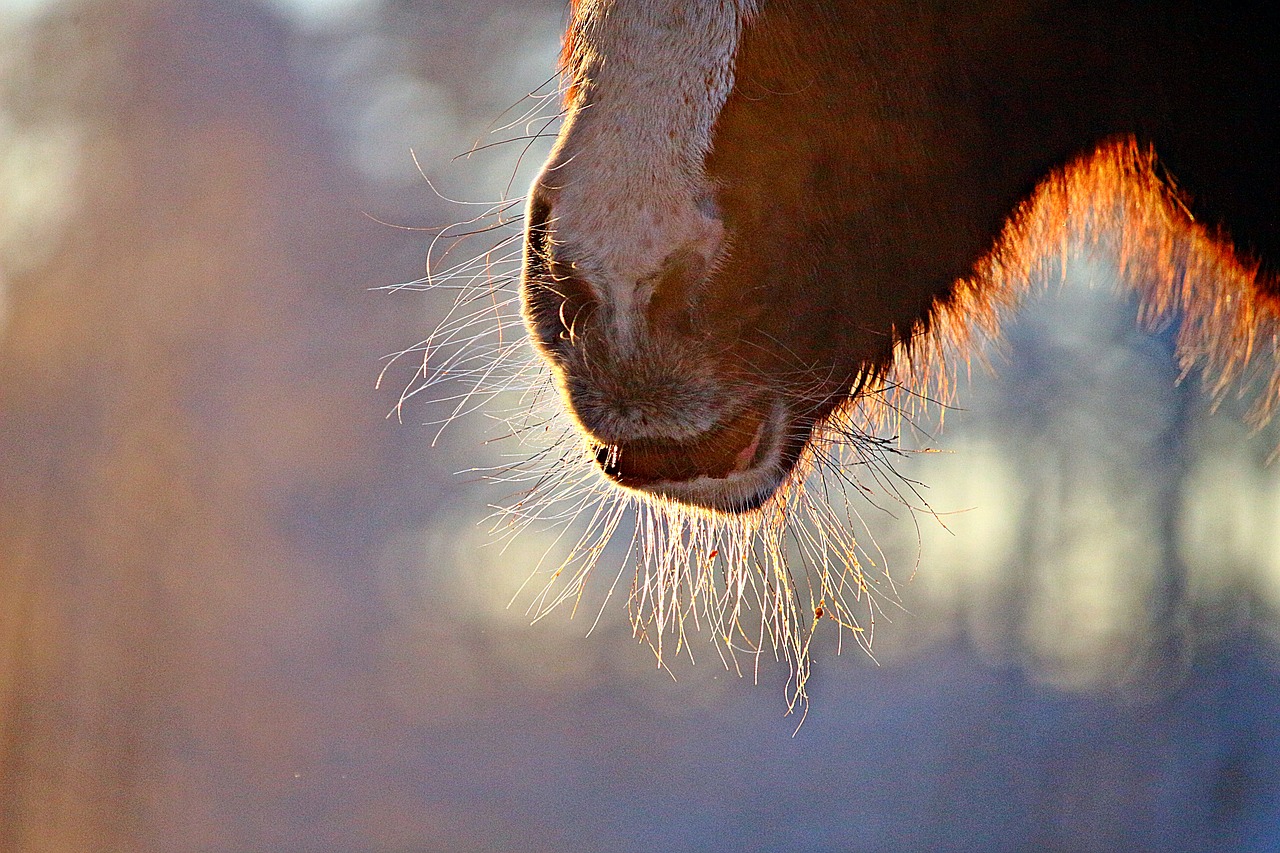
[{"x": 1113, "y": 203}]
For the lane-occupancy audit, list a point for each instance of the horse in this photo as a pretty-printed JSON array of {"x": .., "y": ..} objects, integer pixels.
[
  {"x": 758, "y": 214},
  {"x": 771, "y": 226}
]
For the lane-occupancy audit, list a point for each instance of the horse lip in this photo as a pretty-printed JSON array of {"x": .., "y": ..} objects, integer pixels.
[
  {"x": 728, "y": 448},
  {"x": 760, "y": 462}
]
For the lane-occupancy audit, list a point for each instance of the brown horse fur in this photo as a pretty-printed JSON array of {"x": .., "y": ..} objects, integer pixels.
[{"x": 883, "y": 181}]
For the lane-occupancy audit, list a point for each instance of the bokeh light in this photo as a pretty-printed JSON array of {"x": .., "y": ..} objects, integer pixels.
[{"x": 249, "y": 601}]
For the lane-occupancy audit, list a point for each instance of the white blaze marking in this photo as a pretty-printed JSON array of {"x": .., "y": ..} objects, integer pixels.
[{"x": 628, "y": 169}]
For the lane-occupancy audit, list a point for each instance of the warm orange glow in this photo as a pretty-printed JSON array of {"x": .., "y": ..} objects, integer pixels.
[{"x": 1111, "y": 201}]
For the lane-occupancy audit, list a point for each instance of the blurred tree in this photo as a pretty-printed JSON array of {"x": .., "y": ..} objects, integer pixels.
[{"x": 241, "y": 612}]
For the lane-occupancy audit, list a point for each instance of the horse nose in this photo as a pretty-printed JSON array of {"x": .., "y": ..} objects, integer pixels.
[{"x": 556, "y": 278}]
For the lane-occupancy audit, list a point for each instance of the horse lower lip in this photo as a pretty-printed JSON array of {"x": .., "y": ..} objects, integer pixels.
[{"x": 728, "y": 448}]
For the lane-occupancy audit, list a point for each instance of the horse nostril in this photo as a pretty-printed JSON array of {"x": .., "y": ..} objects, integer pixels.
[
  {"x": 537, "y": 225},
  {"x": 557, "y": 299},
  {"x": 677, "y": 290}
]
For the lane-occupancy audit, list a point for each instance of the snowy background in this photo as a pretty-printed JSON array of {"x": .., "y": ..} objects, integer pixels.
[{"x": 241, "y": 609}]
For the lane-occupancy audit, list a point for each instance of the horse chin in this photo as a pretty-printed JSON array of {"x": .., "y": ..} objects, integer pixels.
[{"x": 733, "y": 469}]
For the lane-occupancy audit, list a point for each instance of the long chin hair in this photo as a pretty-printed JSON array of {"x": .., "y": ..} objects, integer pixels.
[
  {"x": 761, "y": 584},
  {"x": 769, "y": 582}
]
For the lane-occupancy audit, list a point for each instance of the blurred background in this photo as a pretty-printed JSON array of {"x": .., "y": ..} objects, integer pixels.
[{"x": 242, "y": 609}]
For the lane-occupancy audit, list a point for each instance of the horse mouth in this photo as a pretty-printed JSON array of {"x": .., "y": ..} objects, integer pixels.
[{"x": 733, "y": 467}]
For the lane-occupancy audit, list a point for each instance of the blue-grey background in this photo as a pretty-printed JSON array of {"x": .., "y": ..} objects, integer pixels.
[{"x": 242, "y": 610}]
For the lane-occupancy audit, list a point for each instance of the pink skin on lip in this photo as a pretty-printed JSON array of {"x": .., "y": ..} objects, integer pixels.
[{"x": 742, "y": 461}]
